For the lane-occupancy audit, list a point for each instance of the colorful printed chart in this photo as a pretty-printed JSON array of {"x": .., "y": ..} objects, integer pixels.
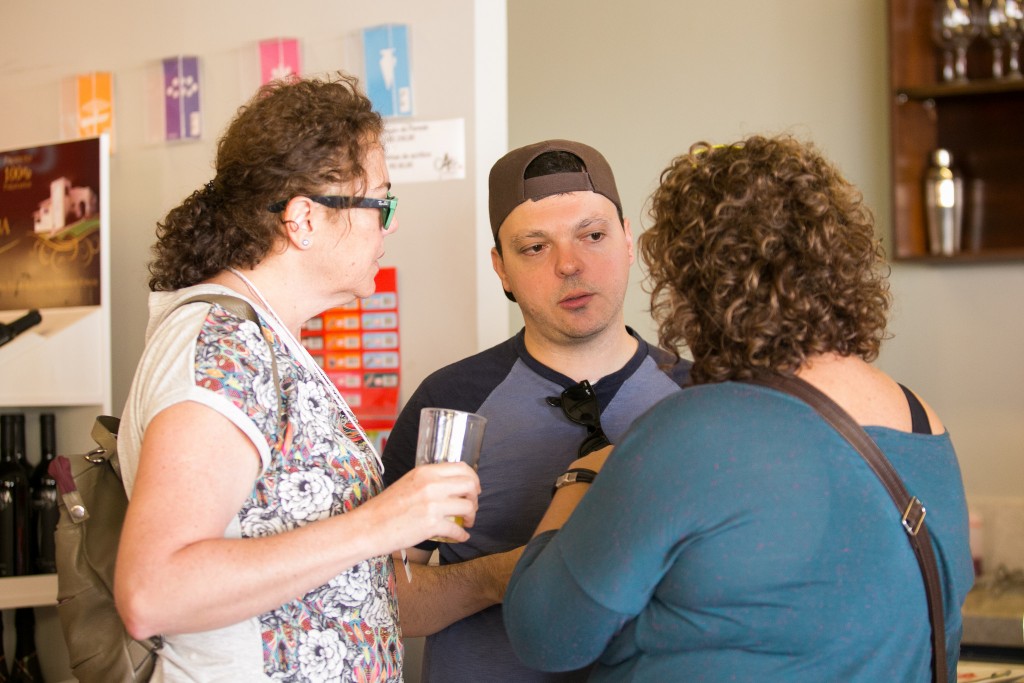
[{"x": 358, "y": 347}]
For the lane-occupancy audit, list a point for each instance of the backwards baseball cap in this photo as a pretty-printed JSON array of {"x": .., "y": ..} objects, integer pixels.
[{"x": 509, "y": 189}]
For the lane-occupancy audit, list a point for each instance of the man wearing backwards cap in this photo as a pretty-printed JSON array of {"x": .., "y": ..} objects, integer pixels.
[{"x": 562, "y": 251}]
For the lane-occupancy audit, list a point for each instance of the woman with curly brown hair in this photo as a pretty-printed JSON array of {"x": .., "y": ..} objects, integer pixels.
[
  {"x": 258, "y": 537},
  {"x": 734, "y": 534}
]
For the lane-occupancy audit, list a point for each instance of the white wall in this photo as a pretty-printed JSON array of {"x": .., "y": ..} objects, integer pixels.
[
  {"x": 435, "y": 251},
  {"x": 458, "y": 71},
  {"x": 642, "y": 80}
]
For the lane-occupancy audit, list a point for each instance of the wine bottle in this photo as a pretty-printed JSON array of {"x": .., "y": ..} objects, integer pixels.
[
  {"x": 15, "y": 510},
  {"x": 20, "y": 453},
  {"x": 8, "y": 331},
  {"x": 19, "y": 443},
  {"x": 44, "y": 498},
  {"x": 25, "y": 667},
  {"x": 3, "y": 661}
]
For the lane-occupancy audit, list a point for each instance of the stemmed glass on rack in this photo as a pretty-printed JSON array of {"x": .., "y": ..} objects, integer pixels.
[
  {"x": 1014, "y": 11},
  {"x": 993, "y": 25},
  {"x": 1001, "y": 22},
  {"x": 953, "y": 29}
]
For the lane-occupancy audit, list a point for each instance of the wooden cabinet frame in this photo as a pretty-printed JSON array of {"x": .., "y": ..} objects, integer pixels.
[{"x": 981, "y": 122}]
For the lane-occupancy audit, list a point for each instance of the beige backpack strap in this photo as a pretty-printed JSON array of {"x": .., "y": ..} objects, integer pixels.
[{"x": 243, "y": 309}]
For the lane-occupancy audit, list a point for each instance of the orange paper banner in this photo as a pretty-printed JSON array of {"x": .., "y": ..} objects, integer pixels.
[{"x": 87, "y": 105}]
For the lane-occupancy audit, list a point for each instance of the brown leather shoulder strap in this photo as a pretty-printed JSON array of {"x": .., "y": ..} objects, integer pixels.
[{"x": 912, "y": 511}]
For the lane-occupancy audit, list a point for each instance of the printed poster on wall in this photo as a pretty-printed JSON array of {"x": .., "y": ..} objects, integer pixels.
[
  {"x": 358, "y": 347},
  {"x": 49, "y": 226}
]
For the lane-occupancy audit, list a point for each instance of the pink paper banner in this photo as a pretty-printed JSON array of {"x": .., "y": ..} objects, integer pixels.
[{"x": 279, "y": 59}]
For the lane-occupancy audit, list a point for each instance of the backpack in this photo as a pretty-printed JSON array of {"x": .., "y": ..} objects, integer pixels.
[{"x": 92, "y": 507}]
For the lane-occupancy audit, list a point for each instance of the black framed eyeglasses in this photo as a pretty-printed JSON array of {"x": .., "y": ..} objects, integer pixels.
[
  {"x": 387, "y": 206},
  {"x": 579, "y": 404}
]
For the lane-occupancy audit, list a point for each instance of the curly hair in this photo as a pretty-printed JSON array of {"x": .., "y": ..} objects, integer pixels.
[
  {"x": 296, "y": 137},
  {"x": 761, "y": 255}
]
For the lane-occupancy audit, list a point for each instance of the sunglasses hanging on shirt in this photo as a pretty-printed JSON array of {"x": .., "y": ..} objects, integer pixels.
[{"x": 579, "y": 404}]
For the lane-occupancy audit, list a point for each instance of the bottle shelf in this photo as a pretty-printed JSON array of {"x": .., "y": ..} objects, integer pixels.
[
  {"x": 37, "y": 590},
  {"x": 984, "y": 256},
  {"x": 941, "y": 91}
]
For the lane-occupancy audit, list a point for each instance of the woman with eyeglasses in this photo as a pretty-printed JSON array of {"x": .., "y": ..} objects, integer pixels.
[
  {"x": 258, "y": 537},
  {"x": 734, "y": 534}
]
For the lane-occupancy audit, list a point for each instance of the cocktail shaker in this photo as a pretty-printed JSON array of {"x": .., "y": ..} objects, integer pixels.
[{"x": 944, "y": 204}]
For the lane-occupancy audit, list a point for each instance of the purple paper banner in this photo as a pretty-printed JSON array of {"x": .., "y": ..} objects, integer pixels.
[{"x": 181, "y": 98}]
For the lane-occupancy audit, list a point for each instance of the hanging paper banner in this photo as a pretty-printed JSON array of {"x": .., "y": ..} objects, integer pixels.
[
  {"x": 357, "y": 346},
  {"x": 87, "y": 106},
  {"x": 182, "y": 119},
  {"x": 388, "y": 79},
  {"x": 279, "y": 59}
]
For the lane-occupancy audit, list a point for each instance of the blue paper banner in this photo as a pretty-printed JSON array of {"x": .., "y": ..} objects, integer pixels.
[{"x": 388, "y": 81}]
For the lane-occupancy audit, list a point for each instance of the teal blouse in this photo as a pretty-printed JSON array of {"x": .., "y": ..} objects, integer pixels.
[{"x": 733, "y": 535}]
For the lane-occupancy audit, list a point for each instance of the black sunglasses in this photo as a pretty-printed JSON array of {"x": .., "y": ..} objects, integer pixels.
[
  {"x": 387, "y": 206},
  {"x": 579, "y": 403}
]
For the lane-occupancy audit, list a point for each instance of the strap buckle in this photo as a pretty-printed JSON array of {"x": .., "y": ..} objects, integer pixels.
[
  {"x": 913, "y": 516},
  {"x": 577, "y": 474},
  {"x": 96, "y": 455}
]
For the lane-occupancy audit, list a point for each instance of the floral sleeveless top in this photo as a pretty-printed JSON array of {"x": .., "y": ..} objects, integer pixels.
[{"x": 320, "y": 466}]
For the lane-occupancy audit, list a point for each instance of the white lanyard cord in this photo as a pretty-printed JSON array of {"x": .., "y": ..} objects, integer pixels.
[{"x": 310, "y": 361}]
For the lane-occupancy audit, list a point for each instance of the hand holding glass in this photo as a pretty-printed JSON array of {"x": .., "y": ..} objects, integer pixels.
[{"x": 447, "y": 435}]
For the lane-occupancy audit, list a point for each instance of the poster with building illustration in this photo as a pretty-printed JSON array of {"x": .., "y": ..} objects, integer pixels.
[{"x": 50, "y": 207}]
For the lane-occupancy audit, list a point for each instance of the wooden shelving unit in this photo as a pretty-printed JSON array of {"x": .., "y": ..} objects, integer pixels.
[
  {"x": 981, "y": 122},
  {"x": 28, "y": 591},
  {"x": 61, "y": 366}
]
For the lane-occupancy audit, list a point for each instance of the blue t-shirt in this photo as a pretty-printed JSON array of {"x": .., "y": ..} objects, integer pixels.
[
  {"x": 734, "y": 535},
  {"x": 527, "y": 444}
]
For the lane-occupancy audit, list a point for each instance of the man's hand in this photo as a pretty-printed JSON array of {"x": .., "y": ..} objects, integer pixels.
[{"x": 438, "y": 596}]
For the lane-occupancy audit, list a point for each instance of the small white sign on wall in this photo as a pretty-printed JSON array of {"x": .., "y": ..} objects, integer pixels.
[{"x": 423, "y": 151}]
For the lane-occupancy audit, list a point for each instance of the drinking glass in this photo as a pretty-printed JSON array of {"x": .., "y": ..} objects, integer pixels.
[
  {"x": 992, "y": 24},
  {"x": 1014, "y": 35},
  {"x": 953, "y": 29},
  {"x": 447, "y": 435}
]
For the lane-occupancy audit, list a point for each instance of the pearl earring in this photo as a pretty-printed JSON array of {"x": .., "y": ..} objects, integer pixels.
[{"x": 305, "y": 243}]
